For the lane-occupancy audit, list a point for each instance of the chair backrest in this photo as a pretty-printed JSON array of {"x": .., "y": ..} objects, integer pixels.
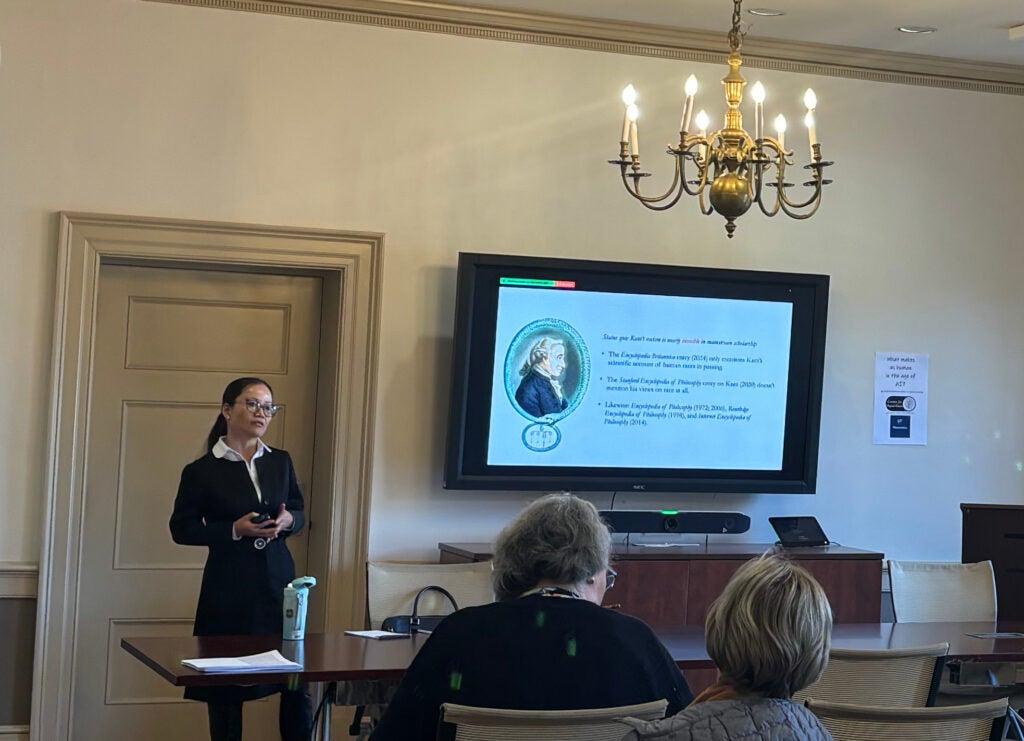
[
  {"x": 496, "y": 724},
  {"x": 392, "y": 587},
  {"x": 904, "y": 677},
  {"x": 927, "y": 592},
  {"x": 982, "y": 721}
]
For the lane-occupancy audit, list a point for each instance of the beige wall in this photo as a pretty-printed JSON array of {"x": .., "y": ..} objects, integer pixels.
[{"x": 447, "y": 144}]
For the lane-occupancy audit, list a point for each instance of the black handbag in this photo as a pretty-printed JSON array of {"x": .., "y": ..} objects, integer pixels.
[{"x": 417, "y": 623}]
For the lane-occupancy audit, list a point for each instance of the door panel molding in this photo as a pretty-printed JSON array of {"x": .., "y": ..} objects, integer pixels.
[
  {"x": 273, "y": 321},
  {"x": 351, "y": 265},
  {"x": 137, "y": 684}
]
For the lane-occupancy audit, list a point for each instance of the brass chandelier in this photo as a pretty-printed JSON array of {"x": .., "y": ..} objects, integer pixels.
[{"x": 730, "y": 169}]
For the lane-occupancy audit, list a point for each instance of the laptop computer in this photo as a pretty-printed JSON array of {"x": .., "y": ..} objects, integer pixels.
[{"x": 798, "y": 532}]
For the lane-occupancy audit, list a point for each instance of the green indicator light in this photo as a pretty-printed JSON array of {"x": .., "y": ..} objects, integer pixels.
[
  {"x": 670, "y": 512},
  {"x": 541, "y": 282}
]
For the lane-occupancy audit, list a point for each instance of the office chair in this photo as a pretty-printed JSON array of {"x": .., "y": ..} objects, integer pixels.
[
  {"x": 939, "y": 592},
  {"x": 391, "y": 588},
  {"x": 496, "y": 724},
  {"x": 927, "y": 592},
  {"x": 983, "y": 721},
  {"x": 905, "y": 677}
]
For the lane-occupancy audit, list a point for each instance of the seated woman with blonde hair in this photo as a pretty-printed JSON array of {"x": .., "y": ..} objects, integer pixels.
[{"x": 768, "y": 633}]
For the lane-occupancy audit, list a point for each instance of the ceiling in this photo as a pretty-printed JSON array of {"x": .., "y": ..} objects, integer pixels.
[{"x": 971, "y": 30}]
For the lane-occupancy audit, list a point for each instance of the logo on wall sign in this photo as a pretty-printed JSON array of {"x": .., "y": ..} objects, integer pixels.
[
  {"x": 899, "y": 425},
  {"x": 547, "y": 372},
  {"x": 900, "y": 403}
]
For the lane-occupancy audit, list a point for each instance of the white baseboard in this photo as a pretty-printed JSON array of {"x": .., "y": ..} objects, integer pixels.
[{"x": 13, "y": 733}]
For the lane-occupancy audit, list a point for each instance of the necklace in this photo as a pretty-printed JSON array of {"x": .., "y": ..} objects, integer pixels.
[{"x": 553, "y": 592}]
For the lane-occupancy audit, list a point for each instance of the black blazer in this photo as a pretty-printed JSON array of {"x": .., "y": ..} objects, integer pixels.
[
  {"x": 537, "y": 396},
  {"x": 242, "y": 584}
]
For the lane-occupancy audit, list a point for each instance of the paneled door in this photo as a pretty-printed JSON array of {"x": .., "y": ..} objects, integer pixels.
[{"x": 168, "y": 341}]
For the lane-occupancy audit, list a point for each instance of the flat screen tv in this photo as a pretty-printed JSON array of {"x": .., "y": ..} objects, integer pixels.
[{"x": 581, "y": 375}]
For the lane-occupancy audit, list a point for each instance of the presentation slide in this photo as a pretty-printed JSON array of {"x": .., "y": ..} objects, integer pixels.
[{"x": 584, "y": 378}]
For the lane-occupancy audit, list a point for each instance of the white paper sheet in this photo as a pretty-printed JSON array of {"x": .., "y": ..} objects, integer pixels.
[
  {"x": 268, "y": 661},
  {"x": 380, "y": 635}
]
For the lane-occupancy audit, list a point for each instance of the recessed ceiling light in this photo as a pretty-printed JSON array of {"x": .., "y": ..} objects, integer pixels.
[
  {"x": 766, "y": 12},
  {"x": 915, "y": 29}
]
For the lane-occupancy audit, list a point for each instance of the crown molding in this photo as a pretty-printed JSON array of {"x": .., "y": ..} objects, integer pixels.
[{"x": 637, "y": 39}]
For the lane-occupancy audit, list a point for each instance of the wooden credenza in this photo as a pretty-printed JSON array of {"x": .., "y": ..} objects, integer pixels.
[
  {"x": 995, "y": 532},
  {"x": 668, "y": 587}
]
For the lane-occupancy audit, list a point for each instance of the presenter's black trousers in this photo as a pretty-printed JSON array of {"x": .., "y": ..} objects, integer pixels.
[{"x": 295, "y": 717}]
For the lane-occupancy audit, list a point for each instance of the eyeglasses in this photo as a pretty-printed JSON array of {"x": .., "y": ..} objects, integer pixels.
[
  {"x": 609, "y": 577},
  {"x": 254, "y": 406}
]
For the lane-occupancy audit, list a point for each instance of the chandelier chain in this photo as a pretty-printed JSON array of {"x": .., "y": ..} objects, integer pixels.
[{"x": 735, "y": 33}]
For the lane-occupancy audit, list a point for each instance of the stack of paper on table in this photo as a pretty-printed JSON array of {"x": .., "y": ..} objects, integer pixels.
[
  {"x": 380, "y": 635},
  {"x": 269, "y": 661}
]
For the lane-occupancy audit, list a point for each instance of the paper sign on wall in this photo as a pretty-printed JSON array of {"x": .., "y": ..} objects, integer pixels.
[{"x": 901, "y": 399}]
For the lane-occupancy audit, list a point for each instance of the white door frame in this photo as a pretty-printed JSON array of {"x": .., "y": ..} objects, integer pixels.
[{"x": 351, "y": 265}]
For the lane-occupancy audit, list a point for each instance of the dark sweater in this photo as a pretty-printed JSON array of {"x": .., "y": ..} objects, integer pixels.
[{"x": 537, "y": 653}]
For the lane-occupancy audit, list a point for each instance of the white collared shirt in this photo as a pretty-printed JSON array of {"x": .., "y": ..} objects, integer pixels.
[
  {"x": 555, "y": 383},
  {"x": 222, "y": 450}
]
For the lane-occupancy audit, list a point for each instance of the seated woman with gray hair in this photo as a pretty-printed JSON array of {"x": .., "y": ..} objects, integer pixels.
[
  {"x": 768, "y": 633},
  {"x": 546, "y": 644}
]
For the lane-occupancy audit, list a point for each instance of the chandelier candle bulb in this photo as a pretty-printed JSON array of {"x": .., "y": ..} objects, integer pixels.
[
  {"x": 812, "y": 135},
  {"x": 810, "y": 102},
  {"x": 632, "y": 114},
  {"x": 757, "y": 93},
  {"x": 690, "y": 89},
  {"x": 628, "y": 99},
  {"x": 702, "y": 123},
  {"x": 780, "y": 128}
]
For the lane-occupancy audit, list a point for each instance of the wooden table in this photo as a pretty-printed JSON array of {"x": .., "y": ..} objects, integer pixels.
[
  {"x": 334, "y": 656},
  {"x": 673, "y": 586},
  {"x": 686, "y": 644},
  {"x": 325, "y": 657}
]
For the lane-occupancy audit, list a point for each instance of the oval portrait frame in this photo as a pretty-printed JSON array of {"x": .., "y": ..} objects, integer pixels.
[{"x": 575, "y": 379}]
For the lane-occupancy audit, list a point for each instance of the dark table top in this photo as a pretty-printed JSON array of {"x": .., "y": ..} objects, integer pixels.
[
  {"x": 336, "y": 656},
  {"x": 686, "y": 644},
  {"x": 324, "y": 656}
]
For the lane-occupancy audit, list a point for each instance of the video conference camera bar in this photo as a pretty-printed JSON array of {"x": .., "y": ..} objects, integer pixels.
[{"x": 674, "y": 521}]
